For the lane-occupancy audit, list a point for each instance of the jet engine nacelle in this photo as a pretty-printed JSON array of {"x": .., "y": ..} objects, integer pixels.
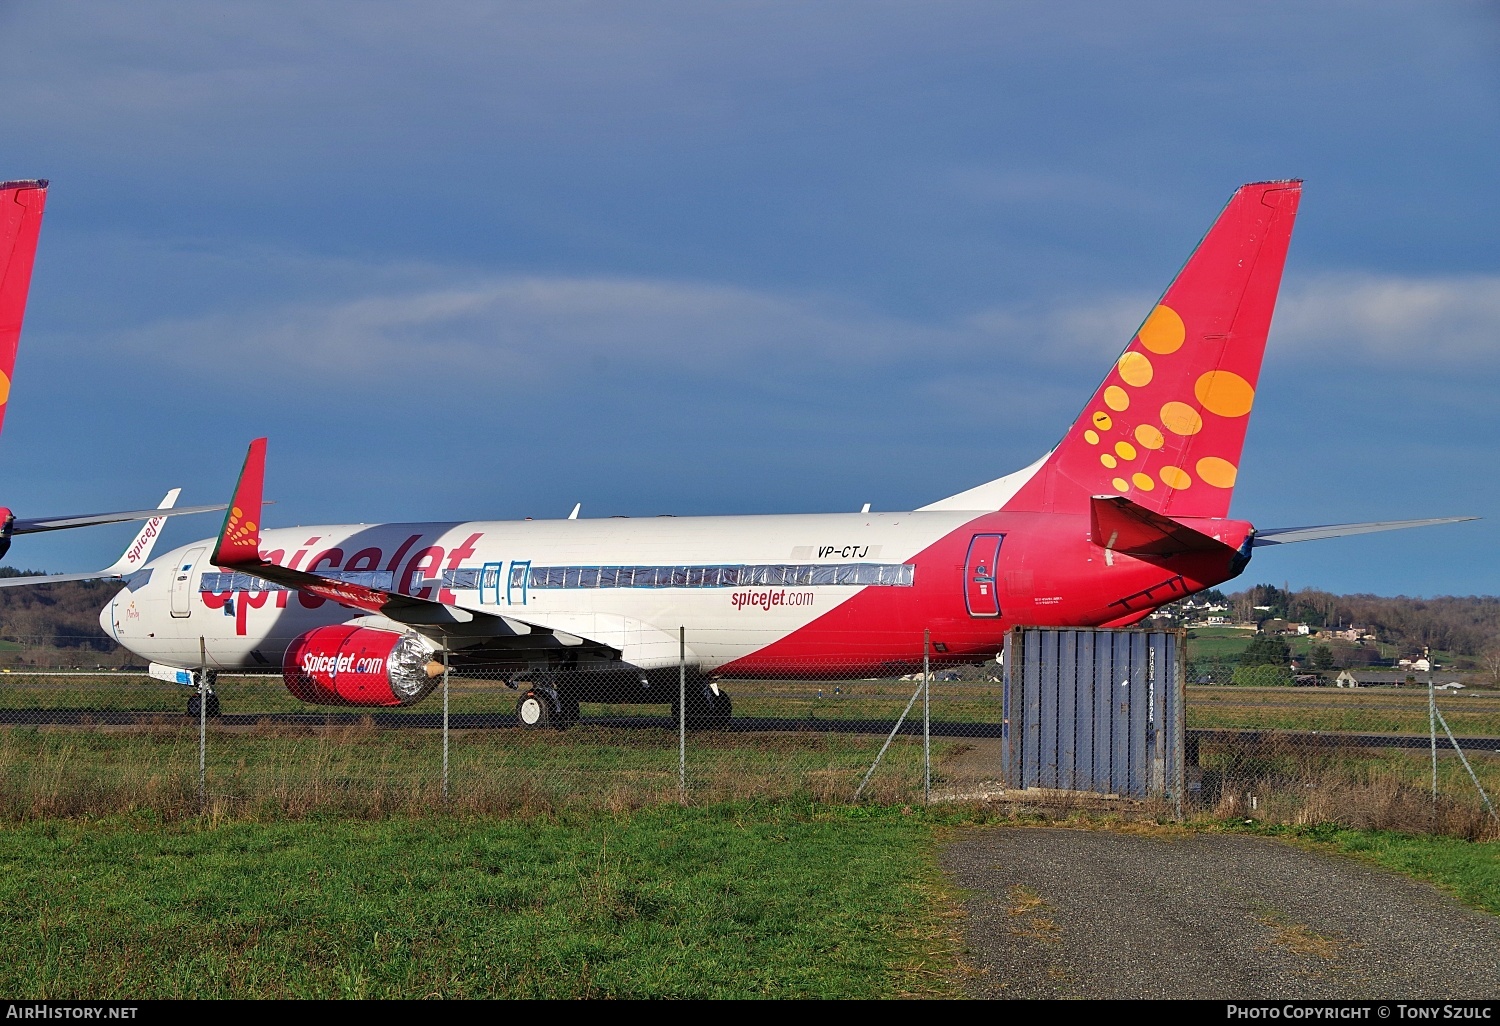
[{"x": 350, "y": 665}]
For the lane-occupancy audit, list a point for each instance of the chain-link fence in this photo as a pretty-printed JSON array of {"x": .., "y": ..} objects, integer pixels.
[{"x": 883, "y": 727}]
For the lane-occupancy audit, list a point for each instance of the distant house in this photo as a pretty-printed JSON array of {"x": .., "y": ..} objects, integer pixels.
[{"x": 1371, "y": 678}]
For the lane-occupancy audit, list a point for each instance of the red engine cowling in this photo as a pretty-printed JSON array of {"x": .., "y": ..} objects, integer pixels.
[{"x": 349, "y": 665}]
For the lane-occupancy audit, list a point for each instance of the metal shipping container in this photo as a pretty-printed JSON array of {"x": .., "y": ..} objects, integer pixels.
[{"x": 1095, "y": 710}]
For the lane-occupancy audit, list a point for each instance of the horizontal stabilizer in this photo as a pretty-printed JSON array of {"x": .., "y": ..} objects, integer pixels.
[
  {"x": 1287, "y": 535},
  {"x": 1119, "y": 525}
]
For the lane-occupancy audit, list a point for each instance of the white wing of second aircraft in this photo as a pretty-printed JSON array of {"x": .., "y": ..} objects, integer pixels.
[{"x": 132, "y": 559}]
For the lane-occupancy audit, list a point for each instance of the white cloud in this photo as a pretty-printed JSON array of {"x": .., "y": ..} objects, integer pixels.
[
  {"x": 537, "y": 329},
  {"x": 1409, "y": 322},
  {"x": 379, "y": 323}
]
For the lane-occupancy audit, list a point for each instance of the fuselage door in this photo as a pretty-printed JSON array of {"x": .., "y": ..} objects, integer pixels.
[
  {"x": 980, "y": 593},
  {"x": 182, "y": 581}
]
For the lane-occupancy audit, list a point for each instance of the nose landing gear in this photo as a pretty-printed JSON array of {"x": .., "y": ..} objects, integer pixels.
[{"x": 195, "y": 705}]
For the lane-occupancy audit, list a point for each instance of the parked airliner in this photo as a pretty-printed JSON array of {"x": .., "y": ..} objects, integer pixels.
[
  {"x": 1130, "y": 511},
  {"x": 21, "y": 207}
]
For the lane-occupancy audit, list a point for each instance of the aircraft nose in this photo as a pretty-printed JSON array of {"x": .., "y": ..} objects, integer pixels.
[{"x": 107, "y": 618}]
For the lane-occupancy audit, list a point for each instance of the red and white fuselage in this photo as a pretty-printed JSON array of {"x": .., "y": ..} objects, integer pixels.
[
  {"x": 755, "y": 595},
  {"x": 1127, "y": 513}
]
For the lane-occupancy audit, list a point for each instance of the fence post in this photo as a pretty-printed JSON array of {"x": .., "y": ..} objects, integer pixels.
[
  {"x": 926, "y": 717},
  {"x": 445, "y": 721},
  {"x": 202, "y": 725},
  {"x": 682, "y": 714},
  {"x": 1432, "y": 736}
]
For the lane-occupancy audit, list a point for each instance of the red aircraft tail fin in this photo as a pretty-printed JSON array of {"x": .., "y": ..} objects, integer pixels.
[
  {"x": 21, "y": 206},
  {"x": 1166, "y": 426}
]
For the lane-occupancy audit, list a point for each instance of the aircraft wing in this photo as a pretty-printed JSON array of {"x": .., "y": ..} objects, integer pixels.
[
  {"x": 1288, "y": 535},
  {"x": 38, "y": 524},
  {"x": 238, "y": 548},
  {"x": 132, "y": 559}
]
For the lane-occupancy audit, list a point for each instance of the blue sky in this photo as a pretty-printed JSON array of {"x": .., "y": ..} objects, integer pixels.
[{"x": 487, "y": 260}]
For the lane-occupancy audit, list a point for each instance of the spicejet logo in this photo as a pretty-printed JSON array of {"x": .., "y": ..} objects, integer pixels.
[
  {"x": 152, "y": 527},
  {"x": 314, "y": 663},
  {"x": 768, "y": 600},
  {"x": 239, "y": 531}
]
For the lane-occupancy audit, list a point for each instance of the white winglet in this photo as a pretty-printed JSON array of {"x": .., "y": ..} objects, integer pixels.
[
  {"x": 574, "y": 515},
  {"x": 132, "y": 559},
  {"x": 139, "y": 550}
]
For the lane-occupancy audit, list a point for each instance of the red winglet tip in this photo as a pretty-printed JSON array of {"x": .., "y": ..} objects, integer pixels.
[{"x": 239, "y": 539}]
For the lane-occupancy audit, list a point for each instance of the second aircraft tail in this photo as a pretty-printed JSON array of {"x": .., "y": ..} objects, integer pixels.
[{"x": 21, "y": 206}]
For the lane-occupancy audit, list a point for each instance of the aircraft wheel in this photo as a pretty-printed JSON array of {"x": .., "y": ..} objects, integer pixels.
[
  {"x": 195, "y": 703},
  {"x": 709, "y": 711},
  {"x": 534, "y": 711},
  {"x": 719, "y": 711}
]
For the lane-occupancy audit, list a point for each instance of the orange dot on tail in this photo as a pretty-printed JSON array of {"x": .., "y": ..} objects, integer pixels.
[
  {"x": 1116, "y": 398},
  {"x": 1175, "y": 477},
  {"x": 1181, "y": 419},
  {"x": 1225, "y": 393},
  {"x": 1108, "y": 460},
  {"x": 4, "y": 388},
  {"x": 1135, "y": 369},
  {"x": 1091, "y": 436},
  {"x": 1215, "y": 471},
  {"x": 1143, "y": 482},
  {"x": 1149, "y": 437},
  {"x": 1102, "y": 421},
  {"x": 1126, "y": 450},
  {"x": 236, "y": 512},
  {"x": 1163, "y": 331},
  {"x": 1121, "y": 485}
]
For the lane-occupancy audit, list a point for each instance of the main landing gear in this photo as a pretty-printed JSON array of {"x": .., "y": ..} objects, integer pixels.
[
  {"x": 708, "y": 708},
  {"x": 543, "y": 706},
  {"x": 540, "y": 707}
]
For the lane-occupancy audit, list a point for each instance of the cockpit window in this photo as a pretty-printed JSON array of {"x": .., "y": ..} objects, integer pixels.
[{"x": 138, "y": 580}]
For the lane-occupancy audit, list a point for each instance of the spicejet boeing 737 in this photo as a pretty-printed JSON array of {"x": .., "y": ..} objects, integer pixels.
[
  {"x": 1127, "y": 513},
  {"x": 21, "y": 206}
]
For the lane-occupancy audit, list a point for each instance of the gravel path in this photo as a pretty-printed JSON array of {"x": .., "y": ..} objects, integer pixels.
[{"x": 1059, "y": 913}]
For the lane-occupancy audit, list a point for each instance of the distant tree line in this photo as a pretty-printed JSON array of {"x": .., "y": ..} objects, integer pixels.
[
  {"x": 1467, "y": 627},
  {"x": 56, "y": 624}
]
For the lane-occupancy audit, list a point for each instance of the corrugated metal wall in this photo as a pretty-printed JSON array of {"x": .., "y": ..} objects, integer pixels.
[{"x": 1095, "y": 710}]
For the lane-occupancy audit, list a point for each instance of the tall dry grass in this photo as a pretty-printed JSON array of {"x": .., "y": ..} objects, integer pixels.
[
  {"x": 1276, "y": 781},
  {"x": 279, "y": 771}
]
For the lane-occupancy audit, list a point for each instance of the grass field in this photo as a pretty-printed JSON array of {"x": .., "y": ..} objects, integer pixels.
[
  {"x": 626, "y": 756},
  {"x": 733, "y": 900},
  {"x": 366, "y": 770},
  {"x": 730, "y": 901},
  {"x": 1471, "y": 713},
  {"x": 1365, "y": 710}
]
